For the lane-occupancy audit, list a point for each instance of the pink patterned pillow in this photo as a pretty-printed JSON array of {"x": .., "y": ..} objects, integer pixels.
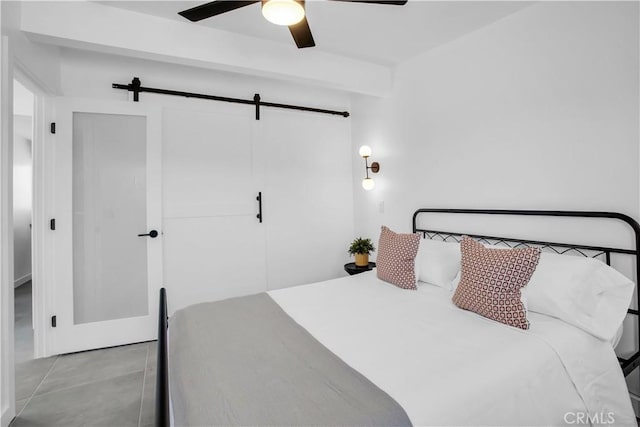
[
  {"x": 491, "y": 280},
  {"x": 397, "y": 257}
]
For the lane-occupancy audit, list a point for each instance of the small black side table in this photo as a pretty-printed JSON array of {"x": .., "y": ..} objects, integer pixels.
[{"x": 352, "y": 268}]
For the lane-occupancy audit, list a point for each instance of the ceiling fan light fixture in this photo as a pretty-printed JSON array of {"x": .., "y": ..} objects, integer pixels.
[{"x": 283, "y": 12}]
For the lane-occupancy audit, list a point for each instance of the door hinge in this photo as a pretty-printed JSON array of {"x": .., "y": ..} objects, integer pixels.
[
  {"x": 53, "y": 127},
  {"x": 52, "y": 224},
  {"x": 53, "y": 321}
]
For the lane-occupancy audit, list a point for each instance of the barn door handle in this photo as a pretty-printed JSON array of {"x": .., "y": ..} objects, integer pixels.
[
  {"x": 153, "y": 234},
  {"x": 259, "y": 199}
]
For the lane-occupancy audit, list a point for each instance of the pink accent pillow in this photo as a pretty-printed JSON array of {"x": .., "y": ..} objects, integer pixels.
[
  {"x": 396, "y": 261},
  {"x": 491, "y": 280}
]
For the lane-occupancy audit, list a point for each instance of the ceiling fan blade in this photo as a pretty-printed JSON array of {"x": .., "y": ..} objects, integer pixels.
[
  {"x": 390, "y": 2},
  {"x": 302, "y": 34},
  {"x": 214, "y": 8}
]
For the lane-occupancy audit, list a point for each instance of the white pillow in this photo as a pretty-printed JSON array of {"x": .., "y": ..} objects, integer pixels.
[
  {"x": 456, "y": 281},
  {"x": 584, "y": 292},
  {"x": 617, "y": 337},
  {"x": 438, "y": 262}
]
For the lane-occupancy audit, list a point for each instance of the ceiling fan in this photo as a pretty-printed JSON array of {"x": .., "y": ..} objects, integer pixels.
[{"x": 280, "y": 12}]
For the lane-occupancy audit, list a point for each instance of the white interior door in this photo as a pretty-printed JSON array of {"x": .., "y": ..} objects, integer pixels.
[
  {"x": 308, "y": 199},
  {"x": 108, "y": 236},
  {"x": 214, "y": 244}
]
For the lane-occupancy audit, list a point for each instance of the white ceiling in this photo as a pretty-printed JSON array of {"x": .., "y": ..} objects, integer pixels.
[{"x": 377, "y": 33}]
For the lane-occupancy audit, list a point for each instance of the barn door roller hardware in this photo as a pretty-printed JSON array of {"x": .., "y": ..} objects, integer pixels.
[{"x": 136, "y": 87}]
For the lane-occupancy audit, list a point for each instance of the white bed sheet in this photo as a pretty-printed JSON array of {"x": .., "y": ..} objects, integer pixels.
[{"x": 447, "y": 366}]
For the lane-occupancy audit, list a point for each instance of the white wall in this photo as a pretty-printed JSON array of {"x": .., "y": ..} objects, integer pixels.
[
  {"x": 536, "y": 111},
  {"x": 7, "y": 369},
  {"x": 38, "y": 62},
  {"x": 88, "y": 74},
  {"x": 539, "y": 110},
  {"x": 22, "y": 198},
  {"x": 216, "y": 157}
]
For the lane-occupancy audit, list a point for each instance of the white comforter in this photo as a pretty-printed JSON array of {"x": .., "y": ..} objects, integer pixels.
[{"x": 447, "y": 366}]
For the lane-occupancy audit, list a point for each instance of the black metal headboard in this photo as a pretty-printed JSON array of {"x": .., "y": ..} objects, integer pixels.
[{"x": 627, "y": 365}]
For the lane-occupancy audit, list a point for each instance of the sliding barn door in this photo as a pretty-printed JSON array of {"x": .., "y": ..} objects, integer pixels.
[
  {"x": 308, "y": 197},
  {"x": 106, "y": 225},
  {"x": 214, "y": 244}
]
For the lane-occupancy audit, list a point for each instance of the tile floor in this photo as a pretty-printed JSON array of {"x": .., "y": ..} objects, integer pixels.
[
  {"x": 109, "y": 387},
  {"x": 23, "y": 327}
]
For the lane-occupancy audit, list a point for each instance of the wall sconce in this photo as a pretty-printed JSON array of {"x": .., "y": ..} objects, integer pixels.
[{"x": 367, "y": 182}]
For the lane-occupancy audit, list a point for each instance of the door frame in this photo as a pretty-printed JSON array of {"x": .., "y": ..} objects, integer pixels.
[
  {"x": 11, "y": 69},
  {"x": 7, "y": 347},
  {"x": 53, "y": 175},
  {"x": 39, "y": 158}
]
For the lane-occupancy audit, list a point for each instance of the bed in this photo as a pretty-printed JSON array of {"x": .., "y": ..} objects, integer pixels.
[{"x": 360, "y": 351}]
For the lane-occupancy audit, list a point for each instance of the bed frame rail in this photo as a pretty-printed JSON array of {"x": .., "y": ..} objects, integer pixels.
[
  {"x": 162, "y": 418},
  {"x": 627, "y": 365}
]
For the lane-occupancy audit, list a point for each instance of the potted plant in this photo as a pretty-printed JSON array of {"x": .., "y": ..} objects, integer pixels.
[{"x": 361, "y": 248}]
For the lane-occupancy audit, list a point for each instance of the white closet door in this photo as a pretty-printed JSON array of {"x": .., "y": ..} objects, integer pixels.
[
  {"x": 214, "y": 244},
  {"x": 308, "y": 203}
]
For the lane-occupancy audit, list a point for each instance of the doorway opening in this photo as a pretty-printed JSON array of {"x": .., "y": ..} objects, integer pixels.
[{"x": 23, "y": 107}]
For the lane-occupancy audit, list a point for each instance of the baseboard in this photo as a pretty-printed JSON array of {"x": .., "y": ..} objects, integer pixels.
[{"x": 21, "y": 281}]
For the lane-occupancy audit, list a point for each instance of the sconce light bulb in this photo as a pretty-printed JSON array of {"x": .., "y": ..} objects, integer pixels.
[
  {"x": 365, "y": 151},
  {"x": 368, "y": 184}
]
